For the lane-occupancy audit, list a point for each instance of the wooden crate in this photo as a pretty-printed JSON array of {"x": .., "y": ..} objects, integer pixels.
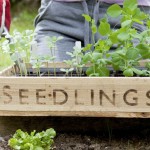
[{"x": 74, "y": 96}]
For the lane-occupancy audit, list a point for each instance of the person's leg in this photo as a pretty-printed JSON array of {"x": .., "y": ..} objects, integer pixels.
[{"x": 59, "y": 19}]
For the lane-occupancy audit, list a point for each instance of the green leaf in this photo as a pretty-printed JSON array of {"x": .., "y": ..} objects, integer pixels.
[
  {"x": 93, "y": 27},
  {"x": 90, "y": 71},
  {"x": 104, "y": 28},
  {"x": 144, "y": 50},
  {"x": 137, "y": 71},
  {"x": 87, "y": 58},
  {"x": 137, "y": 21},
  {"x": 87, "y": 47},
  {"x": 114, "y": 10},
  {"x": 71, "y": 69},
  {"x": 126, "y": 23},
  {"x": 63, "y": 70},
  {"x": 123, "y": 36},
  {"x": 113, "y": 37},
  {"x": 96, "y": 56},
  {"x": 131, "y": 4},
  {"x": 38, "y": 148},
  {"x": 132, "y": 53},
  {"x": 148, "y": 23},
  {"x": 128, "y": 72},
  {"x": 51, "y": 132},
  {"x": 87, "y": 17},
  {"x": 103, "y": 71}
]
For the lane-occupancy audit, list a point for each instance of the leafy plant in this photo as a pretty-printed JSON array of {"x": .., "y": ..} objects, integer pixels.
[
  {"x": 76, "y": 59},
  {"x": 18, "y": 47},
  {"x": 51, "y": 42},
  {"x": 37, "y": 63},
  {"x": 131, "y": 45},
  {"x": 67, "y": 71},
  {"x": 34, "y": 141}
]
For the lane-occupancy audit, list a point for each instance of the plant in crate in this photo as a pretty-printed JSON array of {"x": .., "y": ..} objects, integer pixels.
[
  {"x": 19, "y": 48},
  {"x": 131, "y": 46}
]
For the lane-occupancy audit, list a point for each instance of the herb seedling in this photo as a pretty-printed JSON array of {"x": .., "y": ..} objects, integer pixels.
[
  {"x": 51, "y": 42},
  {"x": 76, "y": 61},
  {"x": 37, "y": 63},
  {"x": 47, "y": 60},
  {"x": 67, "y": 71}
]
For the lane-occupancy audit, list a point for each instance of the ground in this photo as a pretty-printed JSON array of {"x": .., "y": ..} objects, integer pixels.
[
  {"x": 86, "y": 142},
  {"x": 87, "y": 133}
]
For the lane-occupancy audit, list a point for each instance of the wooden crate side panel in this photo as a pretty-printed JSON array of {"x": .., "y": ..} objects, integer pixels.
[
  {"x": 109, "y": 97},
  {"x": 9, "y": 71}
]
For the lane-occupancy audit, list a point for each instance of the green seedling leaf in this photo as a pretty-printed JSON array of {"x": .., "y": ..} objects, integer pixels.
[
  {"x": 93, "y": 27},
  {"x": 104, "y": 28},
  {"x": 87, "y": 18},
  {"x": 126, "y": 23},
  {"x": 137, "y": 71},
  {"x": 63, "y": 70},
  {"x": 114, "y": 10},
  {"x": 132, "y": 53},
  {"x": 130, "y": 4},
  {"x": 96, "y": 56},
  {"x": 137, "y": 21},
  {"x": 148, "y": 23},
  {"x": 128, "y": 72},
  {"x": 123, "y": 36},
  {"x": 144, "y": 50},
  {"x": 87, "y": 47},
  {"x": 148, "y": 65},
  {"x": 103, "y": 72},
  {"x": 87, "y": 58},
  {"x": 113, "y": 37},
  {"x": 90, "y": 71}
]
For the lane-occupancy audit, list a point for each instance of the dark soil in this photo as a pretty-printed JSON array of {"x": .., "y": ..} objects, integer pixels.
[
  {"x": 94, "y": 142},
  {"x": 85, "y": 133}
]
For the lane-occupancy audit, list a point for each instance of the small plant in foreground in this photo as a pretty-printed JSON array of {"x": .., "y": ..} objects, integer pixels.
[{"x": 33, "y": 141}]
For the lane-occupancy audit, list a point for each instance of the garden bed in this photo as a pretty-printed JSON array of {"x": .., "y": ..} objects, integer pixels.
[{"x": 74, "y": 96}]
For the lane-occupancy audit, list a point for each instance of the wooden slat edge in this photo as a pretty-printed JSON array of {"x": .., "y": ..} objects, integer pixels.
[
  {"x": 79, "y": 114},
  {"x": 7, "y": 71}
]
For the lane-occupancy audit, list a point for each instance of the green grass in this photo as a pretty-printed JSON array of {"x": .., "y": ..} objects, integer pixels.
[
  {"x": 21, "y": 22},
  {"x": 25, "y": 20}
]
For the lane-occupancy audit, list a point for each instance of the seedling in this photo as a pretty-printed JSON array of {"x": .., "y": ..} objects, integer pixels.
[
  {"x": 37, "y": 63},
  {"x": 127, "y": 53},
  {"x": 47, "y": 60},
  {"x": 19, "y": 48},
  {"x": 76, "y": 61},
  {"x": 34, "y": 141},
  {"x": 51, "y": 42},
  {"x": 67, "y": 71}
]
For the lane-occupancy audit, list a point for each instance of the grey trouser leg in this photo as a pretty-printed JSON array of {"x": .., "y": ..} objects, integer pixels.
[{"x": 59, "y": 19}]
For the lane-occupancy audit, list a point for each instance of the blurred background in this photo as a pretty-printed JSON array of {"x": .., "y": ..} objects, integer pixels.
[{"x": 23, "y": 13}]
